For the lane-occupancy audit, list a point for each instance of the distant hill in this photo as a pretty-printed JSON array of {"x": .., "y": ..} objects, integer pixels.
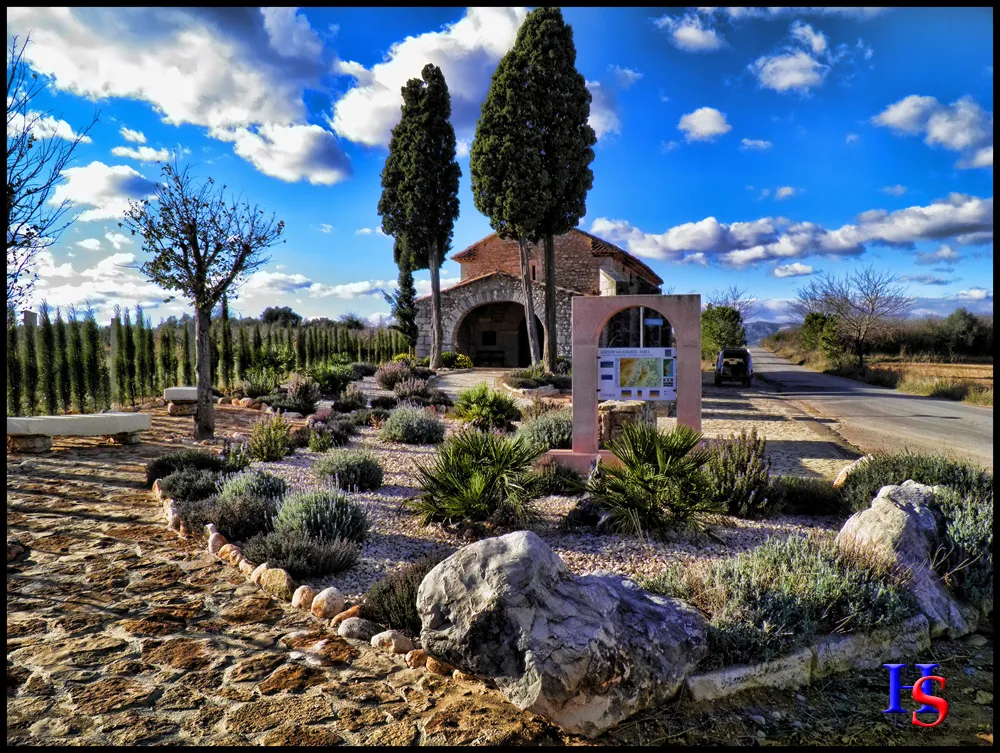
[{"x": 757, "y": 330}]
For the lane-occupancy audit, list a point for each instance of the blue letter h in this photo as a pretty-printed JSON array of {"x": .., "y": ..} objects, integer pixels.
[{"x": 895, "y": 685}]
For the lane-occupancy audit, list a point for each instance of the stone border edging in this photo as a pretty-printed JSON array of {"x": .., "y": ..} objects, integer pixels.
[
  {"x": 829, "y": 655},
  {"x": 326, "y": 606},
  {"x": 544, "y": 391}
]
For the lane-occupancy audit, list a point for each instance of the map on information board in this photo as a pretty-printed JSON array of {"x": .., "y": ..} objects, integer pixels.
[{"x": 636, "y": 374}]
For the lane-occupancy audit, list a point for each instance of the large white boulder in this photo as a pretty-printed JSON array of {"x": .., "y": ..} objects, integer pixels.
[
  {"x": 90, "y": 425},
  {"x": 180, "y": 394},
  {"x": 586, "y": 652},
  {"x": 903, "y": 526}
]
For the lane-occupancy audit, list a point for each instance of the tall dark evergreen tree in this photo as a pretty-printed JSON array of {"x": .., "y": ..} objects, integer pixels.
[
  {"x": 506, "y": 161},
  {"x": 151, "y": 380},
  {"x": 403, "y": 300},
  {"x": 226, "y": 346},
  {"x": 29, "y": 367},
  {"x": 77, "y": 362},
  {"x": 560, "y": 108},
  {"x": 97, "y": 366},
  {"x": 420, "y": 184},
  {"x": 142, "y": 359},
  {"x": 186, "y": 360},
  {"x": 300, "y": 348},
  {"x": 120, "y": 369},
  {"x": 64, "y": 386},
  {"x": 15, "y": 372},
  {"x": 129, "y": 340},
  {"x": 47, "y": 363},
  {"x": 168, "y": 371},
  {"x": 243, "y": 355},
  {"x": 258, "y": 345}
]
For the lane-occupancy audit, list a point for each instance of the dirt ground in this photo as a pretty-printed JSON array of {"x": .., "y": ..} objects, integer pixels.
[{"x": 118, "y": 633}]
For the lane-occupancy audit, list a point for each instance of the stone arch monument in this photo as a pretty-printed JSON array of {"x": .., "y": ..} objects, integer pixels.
[{"x": 590, "y": 314}]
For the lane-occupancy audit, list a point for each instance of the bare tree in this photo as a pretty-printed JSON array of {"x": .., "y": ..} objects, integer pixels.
[
  {"x": 203, "y": 246},
  {"x": 864, "y": 302},
  {"x": 39, "y": 147},
  {"x": 734, "y": 297}
]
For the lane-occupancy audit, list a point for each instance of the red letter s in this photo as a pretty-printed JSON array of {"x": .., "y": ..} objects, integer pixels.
[{"x": 919, "y": 696}]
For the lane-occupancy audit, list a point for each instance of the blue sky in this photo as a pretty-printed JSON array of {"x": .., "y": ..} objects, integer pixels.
[{"x": 744, "y": 146}]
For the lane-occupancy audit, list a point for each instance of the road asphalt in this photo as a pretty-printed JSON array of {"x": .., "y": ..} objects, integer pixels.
[{"x": 873, "y": 418}]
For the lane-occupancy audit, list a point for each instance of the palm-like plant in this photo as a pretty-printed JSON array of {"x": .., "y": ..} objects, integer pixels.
[
  {"x": 485, "y": 409},
  {"x": 660, "y": 482},
  {"x": 479, "y": 476}
]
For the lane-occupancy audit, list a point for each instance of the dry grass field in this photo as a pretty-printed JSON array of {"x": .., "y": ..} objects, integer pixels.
[{"x": 970, "y": 383}]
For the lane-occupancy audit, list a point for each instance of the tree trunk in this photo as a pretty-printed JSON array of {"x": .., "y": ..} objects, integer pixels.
[
  {"x": 529, "y": 303},
  {"x": 550, "y": 304},
  {"x": 204, "y": 420},
  {"x": 860, "y": 350},
  {"x": 436, "y": 333}
]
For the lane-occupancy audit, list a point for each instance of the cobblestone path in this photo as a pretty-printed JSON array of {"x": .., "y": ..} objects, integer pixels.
[{"x": 120, "y": 633}]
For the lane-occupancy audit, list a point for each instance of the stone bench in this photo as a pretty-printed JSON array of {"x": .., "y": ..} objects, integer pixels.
[
  {"x": 181, "y": 401},
  {"x": 34, "y": 433}
]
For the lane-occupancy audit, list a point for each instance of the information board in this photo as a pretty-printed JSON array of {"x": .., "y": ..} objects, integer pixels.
[{"x": 636, "y": 374}]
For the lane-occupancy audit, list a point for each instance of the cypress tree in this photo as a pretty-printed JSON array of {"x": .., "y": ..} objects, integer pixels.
[
  {"x": 77, "y": 362},
  {"x": 402, "y": 301},
  {"x": 151, "y": 379},
  {"x": 300, "y": 348},
  {"x": 29, "y": 361},
  {"x": 15, "y": 374},
  {"x": 226, "y": 347},
  {"x": 96, "y": 363},
  {"x": 130, "y": 358},
  {"x": 63, "y": 381},
  {"x": 188, "y": 366},
  {"x": 142, "y": 360},
  {"x": 47, "y": 363},
  {"x": 168, "y": 374},
  {"x": 420, "y": 183},
  {"x": 243, "y": 355},
  {"x": 120, "y": 370},
  {"x": 258, "y": 345}
]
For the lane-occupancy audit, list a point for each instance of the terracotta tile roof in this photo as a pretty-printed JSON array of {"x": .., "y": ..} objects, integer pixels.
[{"x": 598, "y": 246}]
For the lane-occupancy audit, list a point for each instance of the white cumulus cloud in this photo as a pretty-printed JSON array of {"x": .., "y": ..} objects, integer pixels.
[
  {"x": 963, "y": 126},
  {"x": 143, "y": 153},
  {"x": 896, "y": 190},
  {"x": 136, "y": 137},
  {"x": 624, "y": 77},
  {"x": 785, "y": 192},
  {"x": 103, "y": 189},
  {"x": 755, "y": 144},
  {"x": 691, "y": 33},
  {"x": 292, "y": 152},
  {"x": 795, "y": 269},
  {"x": 704, "y": 124}
]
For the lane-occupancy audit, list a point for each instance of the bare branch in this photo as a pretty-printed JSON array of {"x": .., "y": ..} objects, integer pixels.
[{"x": 734, "y": 297}]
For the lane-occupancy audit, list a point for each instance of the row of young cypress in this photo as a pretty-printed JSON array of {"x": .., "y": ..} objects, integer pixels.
[{"x": 62, "y": 365}]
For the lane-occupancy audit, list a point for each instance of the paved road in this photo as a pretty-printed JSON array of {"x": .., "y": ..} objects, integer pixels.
[{"x": 878, "y": 418}]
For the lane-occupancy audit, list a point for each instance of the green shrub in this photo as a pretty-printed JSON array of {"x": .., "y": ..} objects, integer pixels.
[
  {"x": 450, "y": 360},
  {"x": 270, "y": 438},
  {"x": 340, "y": 430},
  {"x": 484, "y": 408},
  {"x": 252, "y": 483},
  {"x": 478, "y": 476},
  {"x": 352, "y": 399},
  {"x": 410, "y": 388},
  {"x": 439, "y": 398},
  {"x": 320, "y": 441},
  {"x": 391, "y": 374},
  {"x": 362, "y": 370},
  {"x": 404, "y": 358},
  {"x": 301, "y": 397},
  {"x": 351, "y": 469},
  {"x": 242, "y": 516},
  {"x": 369, "y": 417},
  {"x": 195, "y": 514},
  {"x": 190, "y": 484},
  {"x": 299, "y": 437},
  {"x": 660, "y": 482},
  {"x": 863, "y": 483},
  {"x": 968, "y": 540},
  {"x": 236, "y": 457},
  {"x": 412, "y": 426},
  {"x": 539, "y": 407},
  {"x": 301, "y": 555},
  {"x": 183, "y": 460},
  {"x": 739, "y": 474},
  {"x": 332, "y": 380},
  {"x": 550, "y": 431},
  {"x": 535, "y": 376},
  {"x": 384, "y": 402},
  {"x": 392, "y": 600},
  {"x": 766, "y": 602},
  {"x": 806, "y": 496},
  {"x": 259, "y": 382},
  {"x": 562, "y": 480},
  {"x": 326, "y": 514}
]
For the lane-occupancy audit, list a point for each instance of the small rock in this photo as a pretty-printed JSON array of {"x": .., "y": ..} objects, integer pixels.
[
  {"x": 975, "y": 640},
  {"x": 224, "y": 401},
  {"x": 777, "y": 715},
  {"x": 229, "y": 554},
  {"x": 292, "y": 414},
  {"x": 359, "y": 629},
  {"x": 460, "y": 675},
  {"x": 439, "y": 667},
  {"x": 303, "y": 597},
  {"x": 247, "y": 568},
  {"x": 156, "y": 489},
  {"x": 758, "y": 720},
  {"x": 277, "y": 582},
  {"x": 215, "y": 542},
  {"x": 210, "y": 529},
  {"x": 345, "y": 615},
  {"x": 416, "y": 658},
  {"x": 14, "y": 549},
  {"x": 984, "y": 698},
  {"x": 246, "y": 402},
  {"x": 256, "y": 575},
  {"x": 328, "y": 603},
  {"x": 392, "y": 641},
  {"x": 148, "y": 406}
]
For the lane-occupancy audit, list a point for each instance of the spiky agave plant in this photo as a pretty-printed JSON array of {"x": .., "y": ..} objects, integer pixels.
[
  {"x": 660, "y": 482},
  {"x": 478, "y": 476}
]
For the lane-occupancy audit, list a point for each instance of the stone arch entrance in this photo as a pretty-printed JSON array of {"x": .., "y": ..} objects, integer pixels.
[{"x": 495, "y": 334}]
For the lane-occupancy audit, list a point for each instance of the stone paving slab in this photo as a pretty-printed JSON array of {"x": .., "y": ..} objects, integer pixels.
[{"x": 120, "y": 633}]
